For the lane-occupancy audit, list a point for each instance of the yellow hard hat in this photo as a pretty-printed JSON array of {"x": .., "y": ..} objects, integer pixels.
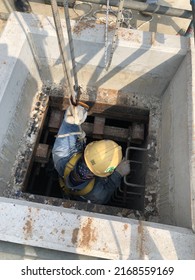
[{"x": 102, "y": 157}]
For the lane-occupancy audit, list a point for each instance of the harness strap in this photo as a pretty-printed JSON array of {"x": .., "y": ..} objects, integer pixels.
[{"x": 69, "y": 167}]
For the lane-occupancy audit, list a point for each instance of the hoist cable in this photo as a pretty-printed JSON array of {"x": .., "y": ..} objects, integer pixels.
[
  {"x": 118, "y": 23},
  {"x": 106, "y": 33},
  {"x": 62, "y": 47},
  {"x": 71, "y": 46}
]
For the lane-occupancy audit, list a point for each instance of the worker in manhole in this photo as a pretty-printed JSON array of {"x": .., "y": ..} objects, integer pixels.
[{"x": 89, "y": 172}]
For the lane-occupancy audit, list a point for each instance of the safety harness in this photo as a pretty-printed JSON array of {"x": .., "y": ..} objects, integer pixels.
[{"x": 69, "y": 167}]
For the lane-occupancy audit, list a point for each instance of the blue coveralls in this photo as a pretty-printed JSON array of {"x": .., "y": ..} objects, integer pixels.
[{"x": 64, "y": 148}]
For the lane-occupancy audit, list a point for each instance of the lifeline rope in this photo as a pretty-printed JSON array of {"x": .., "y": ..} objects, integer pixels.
[
  {"x": 106, "y": 33},
  {"x": 118, "y": 23},
  {"x": 71, "y": 45},
  {"x": 63, "y": 53}
]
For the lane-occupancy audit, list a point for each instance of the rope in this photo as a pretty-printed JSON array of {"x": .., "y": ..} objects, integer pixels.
[
  {"x": 106, "y": 33},
  {"x": 71, "y": 45},
  {"x": 86, "y": 14},
  {"x": 62, "y": 47},
  {"x": 118, "y": 23},
  {"x": 142, "y": 24},
  {"x": 125, "y": 19},
  {"x": 68, "y": 134}
]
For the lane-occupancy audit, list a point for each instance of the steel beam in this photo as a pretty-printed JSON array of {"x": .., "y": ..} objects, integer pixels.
[
  {"x": 150, "y": 8},
  {"x": 110, "y": 132},
  {"x": 55, "y": 119},
  {"x": 139, "y": 6}
]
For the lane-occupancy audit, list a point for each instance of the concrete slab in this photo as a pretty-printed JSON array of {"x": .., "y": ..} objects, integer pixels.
[{"x": 93, "y": 235}]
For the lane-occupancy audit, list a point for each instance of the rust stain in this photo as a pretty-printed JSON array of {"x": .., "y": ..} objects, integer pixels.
[
  {"x": 107, "y": 95},
  {"x": 125, "y": 227},
  {"x": 140, "y": 241},
  {"x": 88, "y": 234},
  {"x": 28, "y": 226},
  {"x": 111, "y": 24},
  {"x": 28, "y": 229},
  {"x": 82, "y": 26},
  {"x": 75, "y": 236},
  {"x": 128, "y": 35}
]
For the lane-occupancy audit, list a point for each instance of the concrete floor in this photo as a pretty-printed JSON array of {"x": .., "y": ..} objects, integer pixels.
[{"x": 155, "y": 23}]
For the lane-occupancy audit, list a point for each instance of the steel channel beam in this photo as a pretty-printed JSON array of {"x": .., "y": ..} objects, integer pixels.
[{"x": 118, "y": 112}]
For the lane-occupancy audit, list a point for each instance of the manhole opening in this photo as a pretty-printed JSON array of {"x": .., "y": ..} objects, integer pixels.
[{"x": 125, "y": 125}]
